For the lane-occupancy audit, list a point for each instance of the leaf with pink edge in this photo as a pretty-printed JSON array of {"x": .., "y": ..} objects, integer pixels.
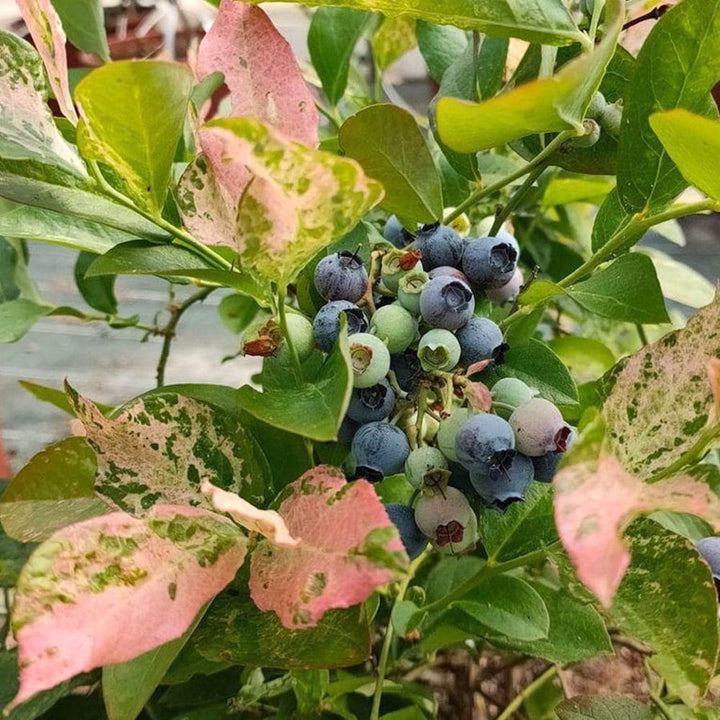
[
  {"x": 49, "y": 37},
  {"x": 349, "y": 548},
  {"x": 298, "y": 202},
  {"x": 260, "y": 71},
  {"x": 79, "y": 589},
  {"x": 160, "y": 447},
  {"x": 596, "y": 500}
]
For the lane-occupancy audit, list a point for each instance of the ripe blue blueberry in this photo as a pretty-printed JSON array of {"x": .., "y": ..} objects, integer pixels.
[
  {"x": 512, "y": 393},
  {"x": 506, "y": 293},
  {"x": 346, "y": 432},
  {"x": 438, "y": 350},
  {"x": 423, "y": 461},
  {"x": 447, "y": 303},
  {"x": 709, "y": 548},
  {"x": 447, "y": 271},
  {"x": 369, "y": 358},
  {"x": 326, "y": 325},
  {"x": 341, "y": 276},
  {"x": 484, "y": 442},
  {"x": 481, "y": 339},
  {"x": 489, "y": 262},
  {"x": 379, "y": 449},
  {"x": 371, "y": 404},
  {"x": 410, "y": 288},
  {"x": 439, "y": 245},
  {"x": 539, "y": 428},
  {"x": 395, "y": 326},
  {"x": 505, "y": 484},
  {"x": 395, "y": 233},
  {"x": 546, "y": 466},
  {"x": 407, "y": 369},
  {"x": 403, "y": 517},
  {"x": 447, "y": 519}
]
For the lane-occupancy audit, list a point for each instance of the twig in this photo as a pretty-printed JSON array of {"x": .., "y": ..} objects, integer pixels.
[
  {"x": 659, "y": 704},
  {"x": 168, "y": 333},
  {"x": 641, "y": 334},
  {"x": 526, "y": 692},
  {"x": 654, "y": 14}
]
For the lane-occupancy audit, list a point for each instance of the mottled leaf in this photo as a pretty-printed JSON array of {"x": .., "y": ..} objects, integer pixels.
[
  {"x": 260, "y": 71},
  {"x": 670, "y": 374},
  {"x": 543, "y": 105},
  {"x": 160, "y": 448},
  {"x": 49, "y": 38},
  {"x": 266, "y": 522},
  {"x": 27, "y": 130},
  {"x": 299, "y": 200},
  {"x": 676, "y": 67},
  {"x": 596, "y": 501},
  {"x": 394, "y": 38},
  {"x": 75, "y": 596},
  {"x": 349, "y": 548}
]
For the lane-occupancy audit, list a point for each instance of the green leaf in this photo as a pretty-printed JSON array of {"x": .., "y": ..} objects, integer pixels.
[
  {"x": 387, "y": 142},
  {"x": 508, "y": 606},
  {"x": 56, "y": 397},
  {"x": 32, "y": 223},
  {"x": 586, "y": 358},
  {"x": 669, "y": 374},
  {"x": 331, "y": 39},
  {"x": 27, "y": 131},
  {"x": 394, "y": 38},
  {"x": 53, "y": 490},
  {"x": 448, "y": 573},
  {"x": 603, "y": 708},
  {"x": 98, "y": 292},
  {"x": 677, "y": 66},
  {"x": 521, "y": 528},
  {"x": 546, "y": 21},
  {"x": 627, "y": 289},
  {"x": 15, "y": 282},
  {"x": 84, "y": 23},
  {"x": 543, "y": 105},
  {"x": 693, "y": 145},
  {"x": 537, "y": 365},
  {"x": 237, "y": 312},
  {"x": 126, "y": 687},
  {"x": 133, "y": 117},
  {"x": 13, "y": 555},
  {"x": 564, "y": 190},
  {"x": 679, "y": 282},
  {"x": 667, "y": 600},
  {"x": 17, "y": 317},
  {"x": 235, "y": 631},
  {"x": 491, "y": 60},
  {"x": 440, "y": 46},
  {"x": 611, "y": 219},
  {"x": 577, "y": 632},
  {"x": 315, "y": 408}
]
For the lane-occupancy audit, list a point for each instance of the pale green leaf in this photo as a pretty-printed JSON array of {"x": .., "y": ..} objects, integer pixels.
[
  {"x": 17, "y": 317},
  {"x": 394, "y": 38},
  {"x": 679, "y": 282},
  {"x": 84, "y": 23}
]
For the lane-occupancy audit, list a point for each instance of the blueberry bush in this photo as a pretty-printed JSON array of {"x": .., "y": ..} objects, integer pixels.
[{"x": 486, "y": 417}]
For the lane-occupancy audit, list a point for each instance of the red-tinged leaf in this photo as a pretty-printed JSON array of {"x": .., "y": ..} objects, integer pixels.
[
  {"x": 714, "y": 375},
  {"x": 477, "y": 367},
  {"x": 260, "y": 71},
  {"x": 266, "y": 522},
  {"x": 49, "y": 38},
  {"x": 595, "y": 502},
  {"x": 109, "y": 589},
  {"x": 349, "y": 548},
  {"x": 478, "y": 396}
]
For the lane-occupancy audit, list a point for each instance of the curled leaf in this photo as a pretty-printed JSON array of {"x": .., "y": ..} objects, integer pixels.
[{"x": 265, "y": 522}]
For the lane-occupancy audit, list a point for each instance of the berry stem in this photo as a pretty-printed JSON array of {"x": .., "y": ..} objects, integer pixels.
[
  {"x": 539, "y": 159},
  {"x": 526, "y": 692},
  {"x": 516, "y": 198}
]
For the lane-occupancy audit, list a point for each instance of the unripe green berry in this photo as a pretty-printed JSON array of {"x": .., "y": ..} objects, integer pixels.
[
  {"x": 511, "y": 392},
  {"x": 370, "y": 359},
  {"x": 395, "y": 265},
  {"x": 438, "y": 350},
  {"x": 409, "y": 289},
  {"x": 302, "y": 336},
  {"x": 395, "y": 326},
  {"x": 449, "y": 429},
  {"x": 422, "y": 461}
]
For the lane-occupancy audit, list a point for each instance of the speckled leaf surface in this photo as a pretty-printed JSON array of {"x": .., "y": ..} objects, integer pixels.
[
  {"x": 27, "y": 130},
  {"x": 260, "y": 71},
  {"x": 299, "y": 199},
  {"x": 49, "y": 38},
  {"x": 596, "y": 501},
  {"x": 79, "y": 590},
  {"x": 662, "y": 397},
  {"x": 668, "y": 601},
  {"x": 159, "y": 449},
  {"x": 545, "y": 21},
  {"x": 349, "y": 548},
  {"x": 603, "y": 708}
]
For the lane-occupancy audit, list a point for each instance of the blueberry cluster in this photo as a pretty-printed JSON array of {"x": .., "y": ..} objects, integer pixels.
[{"x": 413, "y": 340}]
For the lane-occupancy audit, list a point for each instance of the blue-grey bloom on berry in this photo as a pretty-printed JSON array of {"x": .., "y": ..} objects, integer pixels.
[
  {"x": 448, "y": 271},
  {"x": 506, "y": 293},
  {"x": 438, "y": 350},
  {"x": 395, "y": 233},
  {"x": 395, "y": 326},
  {"x": 371, "y": 404},
  {"x": 326, "y": 325},
  {"x": 489, "y": 262},
  {"x": 403, "y": 517},
  {"x": 483, "y": 442},
  {"x": 481, "y": 339},
  {"x": 341, "y": 276},
  {"x": 505, "y": 483},
  {"x": 447, "y": 303},
  {"x": 709, "y": 548},
  {"x": 539, "y": 428},
  {"x": 407, "y": 369},
  {"x": 439, "y": 245},
  {"x": 379, "y": 449},
  {"x": 449, "y": 428},
  {"x": 369, "y": 358}
]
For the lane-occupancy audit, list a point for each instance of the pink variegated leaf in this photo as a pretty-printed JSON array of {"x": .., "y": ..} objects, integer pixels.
[
  {"x": 109, "y": 589},
  {"x": 714, "y": 375},
  {"x": 477, "y": 367},
  {"x": 266, "y": 522},
  {"x": 596, "y": 501},
  {"x": 49, "y": 38},
  {"x": 349, "y": 548},
  {"x": 260, "y": 71},
  {"x": 478, "y": 396}
]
